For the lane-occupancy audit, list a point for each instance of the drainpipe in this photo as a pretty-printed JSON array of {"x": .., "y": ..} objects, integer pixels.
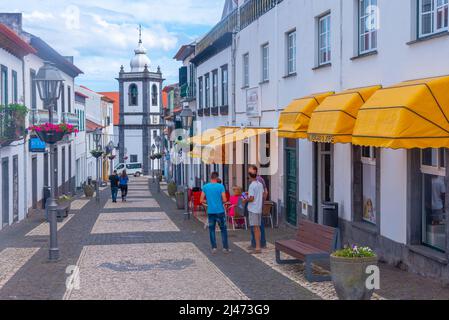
[
  {"x": 25, "y": 155},
  {"x": 233, "y": 68},
  {"x": 341, "y": 45}
]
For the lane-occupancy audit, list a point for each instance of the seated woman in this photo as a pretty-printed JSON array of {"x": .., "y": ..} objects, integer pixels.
[{"x": 234, "y": 200}]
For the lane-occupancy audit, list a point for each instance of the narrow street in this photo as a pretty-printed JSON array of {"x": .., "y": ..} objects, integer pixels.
[
  {"x": 133, "y": 250},
  {"x": 144, "y": 249}
]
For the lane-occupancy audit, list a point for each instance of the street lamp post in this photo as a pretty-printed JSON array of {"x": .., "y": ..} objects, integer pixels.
[
  {"x": 97, "y": 137},
  {"x": 158, "y": 142},
  {"x": 153, "y": 149},
  {"x": 187, "y": 123},
  {"x": 49, "y": 83}
]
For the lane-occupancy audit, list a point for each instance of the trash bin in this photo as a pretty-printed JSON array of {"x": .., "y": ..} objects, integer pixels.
[
  {"x": 180, "y": 200},
  {"x": 46, "y": 195},
  {"x": 330, "y": 214}
]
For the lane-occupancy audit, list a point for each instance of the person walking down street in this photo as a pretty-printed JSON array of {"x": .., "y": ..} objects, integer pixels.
[
  {"x": 214, "y": 196},
  {"x": 255, "y": 204},
  {"x": 124, "y": 179},
  {"x": 263, "y": 242},
  {"x": 114, "y": 180}
]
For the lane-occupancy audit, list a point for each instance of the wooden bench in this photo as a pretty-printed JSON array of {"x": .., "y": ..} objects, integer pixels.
[{"x": 313, "y": 242}]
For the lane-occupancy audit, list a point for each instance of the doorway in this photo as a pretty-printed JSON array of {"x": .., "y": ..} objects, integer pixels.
[
  {"x": 15, "y": 188},
  {"x": 291, "y": 182},
  {"x": 5, "y": 192},
  {"x": 325, "y": 178},
  {"x": 64, "y": 182},
  {"x": 34, "y": 182}
]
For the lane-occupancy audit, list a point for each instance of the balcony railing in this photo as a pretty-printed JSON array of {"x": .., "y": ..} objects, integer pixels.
[
  {"x": 200, "y": 112},
  {"x": 206, "y": 112},
  {"x": 71, "y": 118},
  {"x": 12, "y": 123},
  {"x": 224, "y": 110},
  {"x": 188, "y": 91},
  {"x": 253, "y": 9},
  {"x": 214, "y": 111},
  {"x": 38, "y": 117},
  {"x": 228, "y": 24}
]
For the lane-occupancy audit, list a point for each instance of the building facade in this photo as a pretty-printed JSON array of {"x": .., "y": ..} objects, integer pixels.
[
  {"x": 27, "y": 165},
  {"x": 294, "y": 64}
]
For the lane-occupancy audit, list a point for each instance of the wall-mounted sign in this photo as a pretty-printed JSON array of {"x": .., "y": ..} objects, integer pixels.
[
  {"x": 36, "y": 145},
  {"x": 253, "y": 106}
]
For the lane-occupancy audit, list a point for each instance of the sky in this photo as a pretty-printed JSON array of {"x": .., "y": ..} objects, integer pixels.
[{"x": 102, "y": 34}]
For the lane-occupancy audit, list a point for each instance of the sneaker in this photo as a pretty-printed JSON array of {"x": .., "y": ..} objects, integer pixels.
[
  {"x": 214, "y": 251},
  {"x": 226, "y": 251},
  {"x": 256, "y": 251}
]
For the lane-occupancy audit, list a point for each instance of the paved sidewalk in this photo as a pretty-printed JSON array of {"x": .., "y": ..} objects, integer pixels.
[{"x": 144, "y": 249}]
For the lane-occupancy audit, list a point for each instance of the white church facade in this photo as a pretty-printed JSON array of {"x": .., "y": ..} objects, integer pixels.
[{"x": 140, "y": 110}]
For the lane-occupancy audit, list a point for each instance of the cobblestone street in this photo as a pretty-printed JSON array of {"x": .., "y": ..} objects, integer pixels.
[{"x": 144, "y": 249}]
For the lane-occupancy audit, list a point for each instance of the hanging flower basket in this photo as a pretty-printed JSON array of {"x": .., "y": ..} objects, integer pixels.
[
  {"x": 53, "y": 133},
  {"x": 153, "y": 157},
  {"x": 96, "y": 153},
  {"x": 158, "y": 156},
  {"x": 112, "y": 157}
]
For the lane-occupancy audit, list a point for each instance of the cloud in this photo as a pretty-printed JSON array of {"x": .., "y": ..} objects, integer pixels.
[{"x": 102, "y": 34}]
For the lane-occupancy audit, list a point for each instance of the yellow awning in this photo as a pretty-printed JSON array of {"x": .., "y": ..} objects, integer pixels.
[
  {"x": 334, "y": 119},
  {"x": 294, "y": 120},
  {"x": 216, "y": 151},
  {"x": 208, "y": 136},
  {"x": 235, "y": 134},
  {"x": 412, "y": 114}
]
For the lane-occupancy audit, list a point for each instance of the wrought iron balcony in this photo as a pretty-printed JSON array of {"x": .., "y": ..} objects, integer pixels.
[
  {"x": 214, "y": 111},
  {"x": 40, "y": 116},
  {"x": 224, "y": 110},
  {"x": 253, "y": 9},
  {"x": 200, "y": 112},
  {"x": 228, "y": 24},
  {"x": 206, "y": 112},
  {"x": 70, "y": 118},
  {"x": 12, "y": 123},
  {"x": 188, "y": 91}
]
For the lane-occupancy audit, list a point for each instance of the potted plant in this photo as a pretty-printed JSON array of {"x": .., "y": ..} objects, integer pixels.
[
  {"x": 171, "y": 189},
  {"x": 348, "y": 270},
  {"x": 51, "y": 133},
  {"x": 180, "y": 200}
]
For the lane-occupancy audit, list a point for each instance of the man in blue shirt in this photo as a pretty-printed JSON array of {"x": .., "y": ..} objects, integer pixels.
[{"x": 214, "y": 196}]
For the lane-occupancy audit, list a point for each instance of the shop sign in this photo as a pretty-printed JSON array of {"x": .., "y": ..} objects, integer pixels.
[
  {"x": 321, "y": 138},
  {"x": 36, "y": 145},
  {"x": 253, "y": 107}
]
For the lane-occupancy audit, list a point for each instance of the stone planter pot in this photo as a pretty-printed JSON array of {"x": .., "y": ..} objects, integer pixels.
[
  {"x": 50, "y": 137},
  {"x": 349, "y": 277},
  {"x": 180, "y": 200},
  {"x": 88, "y": 191}
]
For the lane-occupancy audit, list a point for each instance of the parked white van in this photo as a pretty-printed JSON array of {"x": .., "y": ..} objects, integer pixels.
[{"x": 132, "y": 169}]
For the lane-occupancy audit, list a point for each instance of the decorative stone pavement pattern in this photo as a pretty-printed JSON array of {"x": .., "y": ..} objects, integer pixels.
[
  {"x": 132, "y": 203},
  {"x": 79, "y": 204},
  {"x": 134, "y": 222},
  {"x": 296, "y": 272},
  {"x": 44, "y": 228},
  {"x": 11, "y": 260},
  {"x": 163, "y": 271},
  {"x": 35, "y": 278}
]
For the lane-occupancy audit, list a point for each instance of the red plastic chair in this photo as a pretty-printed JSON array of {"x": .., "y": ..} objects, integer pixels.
[{"x": 195, "y": 203}]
